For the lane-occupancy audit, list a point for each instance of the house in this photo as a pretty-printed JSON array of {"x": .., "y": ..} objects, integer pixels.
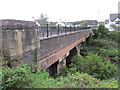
[
  {"x": 61, "y": 24},
  {"x": 114, "y": 20},
  {"x": 65, "y": 24}
]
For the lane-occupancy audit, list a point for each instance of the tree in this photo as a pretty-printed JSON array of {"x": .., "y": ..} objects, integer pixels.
[
  {"x": 43, "y": 19},
  {"x": 103, "y": 30},
  {"x": 84, "y": 23}
]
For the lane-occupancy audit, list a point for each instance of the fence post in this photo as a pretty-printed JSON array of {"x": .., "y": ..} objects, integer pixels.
[
  {"x": 65, "y": 29},
  {"x": 47, "y": 30},
  {"x": 58, "y": 29},
  {"x": 70, "y": 28},
  {"x": 77, "y": 28},
  {"x": 74, "y": 28}
]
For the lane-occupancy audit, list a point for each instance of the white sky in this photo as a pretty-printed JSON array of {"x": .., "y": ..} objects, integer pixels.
[{"x": 66, "y": 10}]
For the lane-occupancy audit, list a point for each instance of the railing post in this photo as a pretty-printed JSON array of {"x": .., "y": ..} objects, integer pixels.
[
  {"x": 58, "y": 29},
  {"x": 70, "y": 28},
  {"x": 74, "y": 28},
  {"x": 65, "y": 29},
  {"x": 47, "y": 30},
  {"x": 77, "y": 28}
]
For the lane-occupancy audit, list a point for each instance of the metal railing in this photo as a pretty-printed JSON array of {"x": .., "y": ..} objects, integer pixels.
[{"x": 50, "y": 31}]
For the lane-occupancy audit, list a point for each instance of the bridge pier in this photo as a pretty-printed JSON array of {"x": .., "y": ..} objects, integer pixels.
[
  {"x": 61, "y": 63},
  {"x": 78, "y": 48},
  {"x": 52, "y": 70}
]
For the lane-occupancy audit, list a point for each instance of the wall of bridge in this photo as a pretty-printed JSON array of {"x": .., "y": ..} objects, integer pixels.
[
  {"x": 55, "y": 48},
  {"x": 19, "y": 44}
]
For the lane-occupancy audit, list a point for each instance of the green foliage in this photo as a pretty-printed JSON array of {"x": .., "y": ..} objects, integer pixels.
[
  {"x": 77, "y": 80},
  {"x": 22, "y": 77},
  {"x": 64, "y": 72},
  {"x": 104, "y": 47},
  {"x": 102, "y": 31},
  {"x": 43, "y": 19},
  {"x": 96, "y": 33},
  {"x": 83, "y": 80},
  {"x": 17, "y": 77},
  {"x": 113, "y": 35},
  {"x": 90, "y": 39},
  {"x": 95, "y": 66},
  {"x": 110, "y": 53},
  {"x": 111, "y": 83},
  {"x": 35, "y": 58},
  {"x": 84, "y": 23}
]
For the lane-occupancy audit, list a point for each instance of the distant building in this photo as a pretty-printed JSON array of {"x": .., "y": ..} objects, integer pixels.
[
  {"x": 114, "y": 19},
  {"x": 64, "y": 24},
  {"x": 61, "y": 24}
]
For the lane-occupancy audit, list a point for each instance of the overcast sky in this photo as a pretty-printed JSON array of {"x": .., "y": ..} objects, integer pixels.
[{"x": 65, "y": 10}]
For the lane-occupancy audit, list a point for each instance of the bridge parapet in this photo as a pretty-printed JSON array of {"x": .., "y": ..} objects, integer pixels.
[{"x": 52, "y": 44}]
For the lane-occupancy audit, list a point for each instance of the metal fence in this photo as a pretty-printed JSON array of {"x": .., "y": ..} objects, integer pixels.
[
  {"x": 50, "y": 31},
  {"x": 45, "y": 31}
]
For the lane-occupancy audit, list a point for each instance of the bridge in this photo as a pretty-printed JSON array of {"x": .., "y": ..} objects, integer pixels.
[{"x": 54, "y": 44}]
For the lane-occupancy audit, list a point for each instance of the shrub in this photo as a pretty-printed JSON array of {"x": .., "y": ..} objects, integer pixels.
[
  {"x": 95, "y": 66},
  {"x": 111, "y": 53},
  {"x": 110, "y": 83},
  {"x": 22, "y": 77},
  {"x": 15, "y": 78},
  {"x": 83, "y": 80},
  {"x": 77, "y": 80},
  {"x": 102, "y": 31},
  {"x": 113, "y": 35}
]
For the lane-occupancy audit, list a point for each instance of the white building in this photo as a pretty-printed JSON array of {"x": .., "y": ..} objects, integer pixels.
[{"x": 113, "y": 20}]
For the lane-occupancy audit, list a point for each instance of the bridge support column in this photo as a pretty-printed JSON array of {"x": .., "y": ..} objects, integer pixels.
[
  {"x": 78, "y": 49},
  {"x": 61, "y": 63}
]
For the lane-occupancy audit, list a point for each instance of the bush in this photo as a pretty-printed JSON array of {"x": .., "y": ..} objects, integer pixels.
[
  {"x": 83, "y": 80},
  {"x": 77, "y": 80},
  {"x": 111, "y": 83},
  {"x": 111, "y": 53},
  {"x": 22, "y": 77},
  {"x": 95, "y": 66},
  {"x": 101, "y": 32},
  {"x": 113, "y": 35}
]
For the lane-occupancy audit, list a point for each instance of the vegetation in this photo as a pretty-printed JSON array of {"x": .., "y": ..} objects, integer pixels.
[
  {"x": 92, "y": 70},
  {"x": 94, "y": 65},
  {"x": 84, "y": 23},
  {"x": 22, "y": 77},
  {"x": 43, "y": 19},
  {"x": 104, "y": 43}
]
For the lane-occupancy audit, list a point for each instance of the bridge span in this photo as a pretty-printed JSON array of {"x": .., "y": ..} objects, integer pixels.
[{"x": 19, "y": 44}]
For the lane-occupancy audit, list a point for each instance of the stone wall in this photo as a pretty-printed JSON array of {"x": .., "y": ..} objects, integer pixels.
[{"x": 19, "y": 44}]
